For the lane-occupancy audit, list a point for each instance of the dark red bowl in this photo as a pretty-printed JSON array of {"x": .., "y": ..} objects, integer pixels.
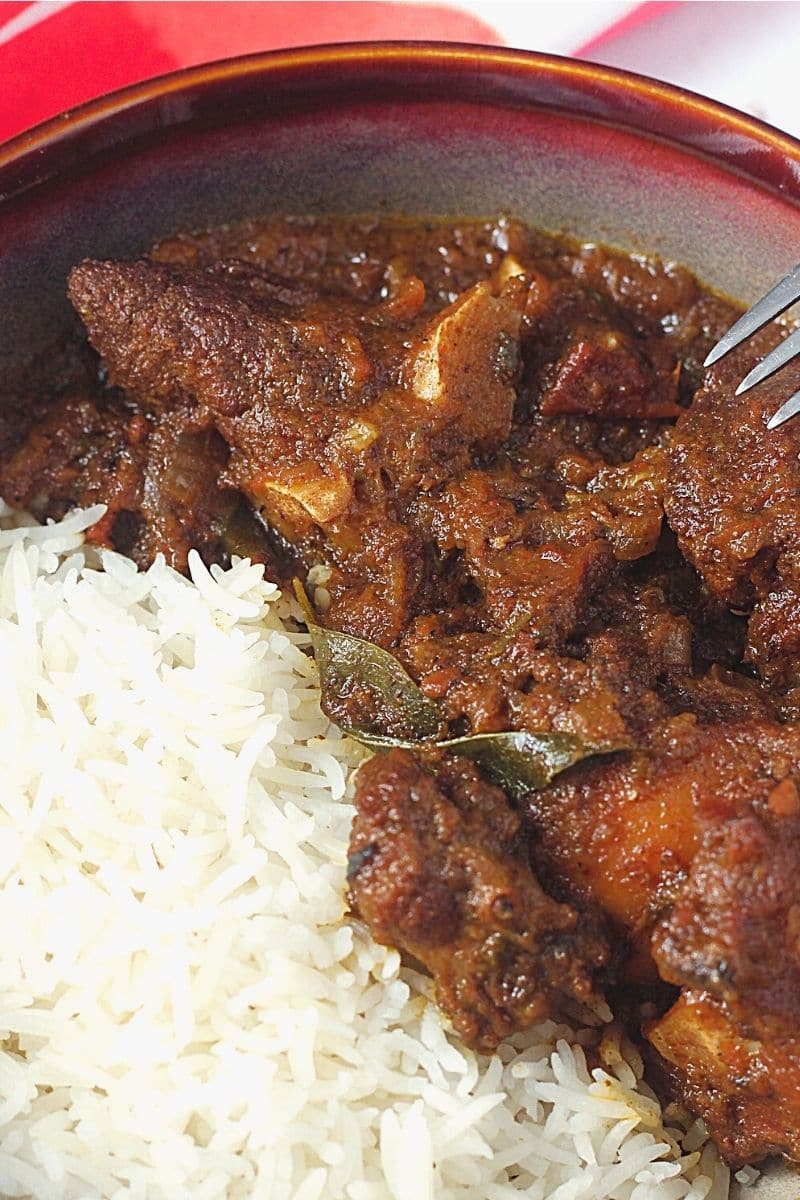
[{"x": 406, "y": 127}]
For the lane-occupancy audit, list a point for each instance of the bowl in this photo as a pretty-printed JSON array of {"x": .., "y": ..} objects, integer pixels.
[{"x": 414, "y": 128}]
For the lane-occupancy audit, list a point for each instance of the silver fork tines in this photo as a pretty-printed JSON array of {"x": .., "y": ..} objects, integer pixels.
[
  {"x": 776, "y": 358},
  {"x": 789, "y": 409},
  {"x": 776, "y": 301}
]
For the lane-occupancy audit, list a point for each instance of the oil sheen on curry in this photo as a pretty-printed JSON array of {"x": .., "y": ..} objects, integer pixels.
[{"x": 552, "y": 573}]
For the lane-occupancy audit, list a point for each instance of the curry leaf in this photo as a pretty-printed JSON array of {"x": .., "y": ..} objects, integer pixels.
[
  {"x": 344, "y": 660},
  {"x": 519, "y": 762},
  {"x": 522, "y": 762}
]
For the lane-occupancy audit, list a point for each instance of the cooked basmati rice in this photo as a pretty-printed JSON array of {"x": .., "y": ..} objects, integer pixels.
[{"x": 185, "y": 1009}]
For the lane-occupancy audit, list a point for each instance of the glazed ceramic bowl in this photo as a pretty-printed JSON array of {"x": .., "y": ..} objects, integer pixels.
[{"x": 402, "y": 128}]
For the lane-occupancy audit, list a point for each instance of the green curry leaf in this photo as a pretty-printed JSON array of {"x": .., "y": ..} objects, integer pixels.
[
  {"x": 522, "y": 762},
  {"x": 519, "y": 762},
  {"x": 343, "y": 660}
]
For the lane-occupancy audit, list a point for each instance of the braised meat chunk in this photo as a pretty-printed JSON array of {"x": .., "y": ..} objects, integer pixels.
[
  {"x": 733, "y": 500},
  {"x": 439, "y": 867},
  {"x": 731, "y": 943},
  {"x": 163, "y": 482},
  {"x": 692, "y": 850},
  {"x": 746, "y": 1089},
  {"x": 624, "y": 832},
  {"x": 734, "y": 930},
  {"x": 335, "y": 412}
]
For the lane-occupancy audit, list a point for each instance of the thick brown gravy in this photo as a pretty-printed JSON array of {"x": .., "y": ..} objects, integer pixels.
[{"x": 494, "y": 455}]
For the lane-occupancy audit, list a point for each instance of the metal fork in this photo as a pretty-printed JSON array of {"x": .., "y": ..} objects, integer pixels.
[{"x": 776, "y": 301}]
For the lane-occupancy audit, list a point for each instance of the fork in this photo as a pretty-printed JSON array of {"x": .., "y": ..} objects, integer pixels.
[{"x": 775, "y": 302}]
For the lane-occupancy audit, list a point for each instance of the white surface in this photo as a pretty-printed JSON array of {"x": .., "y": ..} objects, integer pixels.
[
  {"x": 744, "y": 54},
  {"x": 560, "y": 27}
]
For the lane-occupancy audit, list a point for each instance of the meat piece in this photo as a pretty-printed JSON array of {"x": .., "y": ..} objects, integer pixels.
[
  {"x": 612, "y": 375},
  {"x": 732, "y": 940},
  {"x": 466, "y": 365},
  {"x": 85, "y": 450},
  {"x": 324, "y": 439},
  {"x": 174, "y": 336},
  {"x": 747, "y": 1089},
  {"x": 693, "y": 851},
  {"x": 513, "y": 656},
  {"x": 602, "y": 373},
  {"x": 523, "y": 574},
  {"x": 773, "y": 631},
  {"x": 439, "y": 868},
  {"x": 492, "y": 682},
  {"x": 734, "y": 930},
  {"x": 306, "y": 395},
  {"x": 732, "y": 499},
  {"x": 628, "y": 500},
  {"x": 160, "y": 480},
  {"x": 623, "y": 833},
  {"x": 648, "y": 291},
  {"x": 207, "y": 335},
  {"x": 604, "y": 662}
]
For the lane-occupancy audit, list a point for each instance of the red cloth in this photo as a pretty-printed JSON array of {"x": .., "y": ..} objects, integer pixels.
[{"x": 71, "y": 53}]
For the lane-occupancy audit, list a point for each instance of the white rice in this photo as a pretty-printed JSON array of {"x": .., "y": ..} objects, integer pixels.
[{"x": 185, "y": 1010}]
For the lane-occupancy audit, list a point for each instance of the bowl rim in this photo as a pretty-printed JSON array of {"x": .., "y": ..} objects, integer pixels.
[{"x": 648, "y": 103}]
